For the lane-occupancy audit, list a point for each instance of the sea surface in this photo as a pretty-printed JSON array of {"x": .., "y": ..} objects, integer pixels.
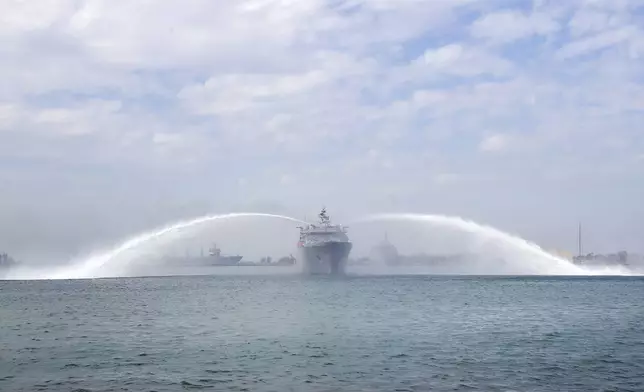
[{"x": 412, "y": 333}]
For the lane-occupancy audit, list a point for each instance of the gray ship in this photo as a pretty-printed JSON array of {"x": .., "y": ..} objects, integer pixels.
[
  {"x": 214, "y": 258},
  {"x": 385, "y": 253},
  {"x": 6, "y": 261},
  {"x": 324, "y": 248}
]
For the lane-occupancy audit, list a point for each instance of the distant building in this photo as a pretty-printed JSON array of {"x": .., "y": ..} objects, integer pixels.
[{"x": 619, "y": 258}]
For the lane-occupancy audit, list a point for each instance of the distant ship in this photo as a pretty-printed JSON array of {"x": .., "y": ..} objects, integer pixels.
[
  {"x": 385, "y": 253},
  {"x": 6, "y": 261},
  {"x": 214, "y": 258},
  {"x": 324, "y": 248}
]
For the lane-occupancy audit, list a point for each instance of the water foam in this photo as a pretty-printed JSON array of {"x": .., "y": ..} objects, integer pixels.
[
  {"x": 529, "y": 258},
  {"x": 90, "y": 267}
]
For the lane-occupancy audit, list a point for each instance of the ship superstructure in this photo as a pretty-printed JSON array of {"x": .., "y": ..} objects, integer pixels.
[
  {"x": 216, "y": 258},
  {"x": 385, "y": 253},
  {"x": 6, "y": 261},
  {"x": 324, "y": 247}
]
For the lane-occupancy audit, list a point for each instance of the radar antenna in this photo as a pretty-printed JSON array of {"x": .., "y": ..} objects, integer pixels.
[{"x": 324, "y": 218}]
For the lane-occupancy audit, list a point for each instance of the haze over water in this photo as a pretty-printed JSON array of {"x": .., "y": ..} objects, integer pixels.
[
  {"x": 507, "y": 254},
  {"x": 497, "y": 253}
]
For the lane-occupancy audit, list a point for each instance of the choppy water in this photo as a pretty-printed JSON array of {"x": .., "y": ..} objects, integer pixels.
[{"x": 296, "y": 334}]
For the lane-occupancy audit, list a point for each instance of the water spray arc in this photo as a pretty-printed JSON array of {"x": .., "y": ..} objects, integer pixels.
[
  {"x": 89, "y": 266},
  {"x": 529, "y": 258},
  {"x": 543, "y": 262}
]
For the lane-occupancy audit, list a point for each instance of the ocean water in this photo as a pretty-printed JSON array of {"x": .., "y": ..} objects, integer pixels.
[{"x": 409, "y": 333}]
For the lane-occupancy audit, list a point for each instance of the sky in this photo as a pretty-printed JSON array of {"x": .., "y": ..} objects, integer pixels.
[{"x": 118, "y": 116}]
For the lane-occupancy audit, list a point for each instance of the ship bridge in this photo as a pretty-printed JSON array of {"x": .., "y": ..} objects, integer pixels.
[{"x": 322, "y": 232}]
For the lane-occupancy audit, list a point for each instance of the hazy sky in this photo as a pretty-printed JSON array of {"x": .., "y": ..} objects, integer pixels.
[{"x": 119, "y": 115}]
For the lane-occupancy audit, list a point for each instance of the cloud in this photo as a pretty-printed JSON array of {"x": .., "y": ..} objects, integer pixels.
[
  {"x": 597, "y": 42},
  {"x": 507, "y": 26},
  {"x": 9, "y": 114},
  {"x": 159, "y": 110},
  {"x": 495, "y": 143},
  {"x": 455, "y": 59},
  {"x": 587, "y": 21},
  {"x": 234, "y": 93}
]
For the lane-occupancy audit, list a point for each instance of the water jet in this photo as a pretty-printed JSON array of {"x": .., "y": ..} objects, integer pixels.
[
  {"x": 526, "y": 257},
  {"x": 89, "y": 267}
]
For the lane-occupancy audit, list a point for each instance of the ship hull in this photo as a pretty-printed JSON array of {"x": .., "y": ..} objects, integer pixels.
[
  {"x": 206, "y": 261},
  {"x": 227, "y": 260},
  {"x": 325, "y": 259}
]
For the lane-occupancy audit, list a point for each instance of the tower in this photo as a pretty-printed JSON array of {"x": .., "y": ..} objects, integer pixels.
[{"x": 579, "y": 249}]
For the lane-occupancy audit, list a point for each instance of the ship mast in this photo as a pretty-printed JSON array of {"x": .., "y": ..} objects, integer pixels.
[
  {"x": 579, "y": 248},
  {"x": 324, "y": 218}
]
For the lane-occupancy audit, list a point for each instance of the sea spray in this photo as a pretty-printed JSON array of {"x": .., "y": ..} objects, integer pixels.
[
  {"x": 529, "y": 257},
  {"x": 90, "y": 266}
]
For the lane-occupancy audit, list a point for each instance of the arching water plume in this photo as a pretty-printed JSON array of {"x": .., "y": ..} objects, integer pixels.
[
  {"x": 526, "y": 257},
  {"x": 90, "y": 266}
]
